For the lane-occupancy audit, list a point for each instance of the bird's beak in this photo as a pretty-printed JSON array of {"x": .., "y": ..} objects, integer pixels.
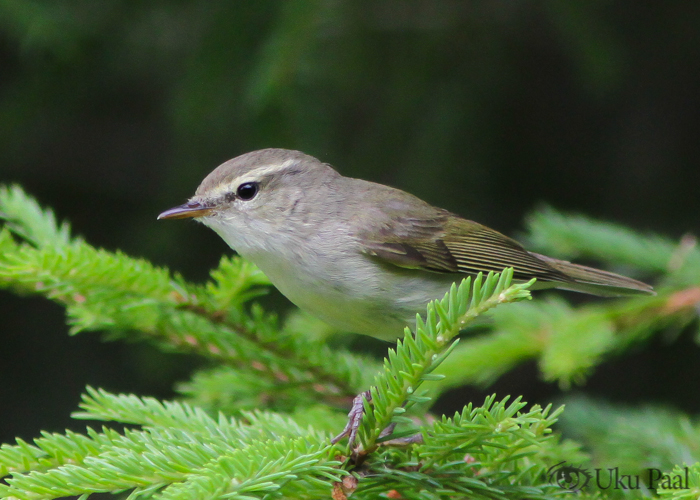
[{"x": 191, "y": 209}]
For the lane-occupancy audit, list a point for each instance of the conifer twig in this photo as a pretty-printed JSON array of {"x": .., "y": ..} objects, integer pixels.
[
  {"x": 112, "y": 292},
  {"x": 417, "y": 355}
]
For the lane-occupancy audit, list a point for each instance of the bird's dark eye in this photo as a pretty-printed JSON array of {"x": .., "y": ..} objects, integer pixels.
[{"x": 247, "y": 191}]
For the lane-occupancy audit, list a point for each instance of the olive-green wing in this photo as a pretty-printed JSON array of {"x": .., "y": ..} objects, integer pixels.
[{"x": 446, "y": 243}]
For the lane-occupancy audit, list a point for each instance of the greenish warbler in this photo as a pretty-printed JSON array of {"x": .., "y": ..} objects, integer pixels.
[{"x": 362, "y": 256}]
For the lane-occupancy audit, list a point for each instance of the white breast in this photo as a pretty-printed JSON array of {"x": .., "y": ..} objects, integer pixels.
[{"x": 340, "y": 285}]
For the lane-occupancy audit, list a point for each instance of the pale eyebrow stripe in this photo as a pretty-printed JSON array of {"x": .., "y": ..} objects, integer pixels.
[
  {"x": 253, "y": 175},
  {"x": 266, "y": 170}
]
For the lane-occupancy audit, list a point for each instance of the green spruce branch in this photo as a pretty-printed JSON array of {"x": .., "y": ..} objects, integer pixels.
[
  {"x": 218, "y": 448},
  {"x": 569, "y": 342},
  {"x": 123, "y": 296},
  {"x": 179, "y": 452},
  {"x": 416, "y": 356},
  {"x": 691, "y": 491},
  {"x": 495, "y": 451}
]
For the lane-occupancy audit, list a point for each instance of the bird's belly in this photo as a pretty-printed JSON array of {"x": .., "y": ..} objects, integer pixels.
[{"x": 372, "y": 300}]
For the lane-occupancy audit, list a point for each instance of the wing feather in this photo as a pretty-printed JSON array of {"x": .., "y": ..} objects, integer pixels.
[
  {"x": 446, "y": 243},
  {"x": 407, "y": 232}
]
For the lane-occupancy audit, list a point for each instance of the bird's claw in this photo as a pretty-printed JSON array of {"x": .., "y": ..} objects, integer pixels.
[{"x": 354, "y": 418}]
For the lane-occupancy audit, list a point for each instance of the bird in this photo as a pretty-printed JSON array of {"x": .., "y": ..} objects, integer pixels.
[{"x": 362, "y": 256}]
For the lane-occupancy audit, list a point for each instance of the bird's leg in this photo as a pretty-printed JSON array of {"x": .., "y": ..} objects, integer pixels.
[{"x": 354, "y": 418}]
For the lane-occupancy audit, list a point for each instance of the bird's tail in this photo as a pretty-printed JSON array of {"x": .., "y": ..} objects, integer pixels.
[{"x": 595, "y": 281}]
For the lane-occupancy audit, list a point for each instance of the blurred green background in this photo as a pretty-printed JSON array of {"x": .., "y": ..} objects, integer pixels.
[{"x": 112, "y": 111}]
